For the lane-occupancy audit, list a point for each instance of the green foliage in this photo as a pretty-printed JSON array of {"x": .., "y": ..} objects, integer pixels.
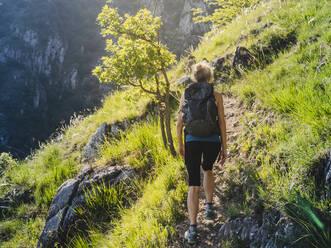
[
  {"x": 137, "y": 147},
  {"x": 41, "y": 174},
  {"x": 137, "y": 55},
  {"x": 317, "y": 229},
  {"x": 6, "y": 161},
  {"x": 225, "y": 11},
  {"x": 159, "y": 192},
  {"x": 103, "y": 206},
  {"x": 136, "y": 58},
  {"x": 19, "y": 233}
]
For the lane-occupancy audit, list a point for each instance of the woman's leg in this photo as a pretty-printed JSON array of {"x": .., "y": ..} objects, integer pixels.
[
  {"x": 210, "y": 153},
  {"x": 193, "y": 203},
  {"x": 208, "y": 185},
  {"x": 193, "y": 154}
]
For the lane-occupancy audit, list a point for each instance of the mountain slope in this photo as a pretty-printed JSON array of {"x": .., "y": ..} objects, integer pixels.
[{"x": 279, "y": 114}]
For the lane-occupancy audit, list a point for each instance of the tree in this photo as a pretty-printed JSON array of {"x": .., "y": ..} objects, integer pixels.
[
  {"x": 225, "y": 11},
  {"x": 137, "y": 58}
]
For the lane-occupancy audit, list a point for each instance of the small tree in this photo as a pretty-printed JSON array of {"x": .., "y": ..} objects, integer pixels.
[
  {"x": 137, "y": 58},
  {"x": 225, "y": 11}
]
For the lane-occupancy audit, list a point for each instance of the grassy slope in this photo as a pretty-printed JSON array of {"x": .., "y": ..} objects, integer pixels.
[
  {"x": 53, "y": 164},
  {"x": 295, "y": 137},
  {"x": 290, "y": 86}
]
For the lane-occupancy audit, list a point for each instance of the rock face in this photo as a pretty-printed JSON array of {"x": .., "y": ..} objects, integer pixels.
[
  {"x": 268, "y": 231},
  {"x": 71, "y": 195},
  {"x": 242, "y": 58},
  {"x": 47, "y": 52},
  {"x": 179, "y": 31},
  {"x": 90, "y": 151},
  {"x": 185, "y": 80}
]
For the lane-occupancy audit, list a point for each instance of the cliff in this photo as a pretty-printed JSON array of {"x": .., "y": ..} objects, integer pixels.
[{"x": 47, "y": 52}]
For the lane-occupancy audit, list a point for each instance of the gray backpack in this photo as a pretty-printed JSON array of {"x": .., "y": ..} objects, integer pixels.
[{"x": 200, "y": 113}]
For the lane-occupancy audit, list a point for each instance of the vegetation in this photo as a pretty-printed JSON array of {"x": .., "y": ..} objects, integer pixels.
[
  {"x": 283, "y": 152},
  {"x": 284, "y": 138},
  {"x": 224, "y": 11},
  {"x": 36, "y": 179},
  {"x": 136, "y": 58}
]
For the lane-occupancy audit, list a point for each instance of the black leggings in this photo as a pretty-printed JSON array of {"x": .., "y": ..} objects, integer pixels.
[{"x": 194, "y": 151}]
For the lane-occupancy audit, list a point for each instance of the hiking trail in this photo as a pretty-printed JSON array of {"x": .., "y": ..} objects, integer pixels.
[{"x": 208, "y": 229}]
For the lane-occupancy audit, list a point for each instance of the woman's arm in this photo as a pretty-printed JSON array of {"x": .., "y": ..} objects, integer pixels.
[
  {"x": 179, "y": 127},
  {"x": 222, "y": 125}
]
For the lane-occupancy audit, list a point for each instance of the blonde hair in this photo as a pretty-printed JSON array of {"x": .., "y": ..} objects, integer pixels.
[{"x": 203, "y": 72}]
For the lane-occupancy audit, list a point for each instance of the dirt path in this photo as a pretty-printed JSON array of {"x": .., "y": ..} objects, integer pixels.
[{"x": 208, "y": 230}]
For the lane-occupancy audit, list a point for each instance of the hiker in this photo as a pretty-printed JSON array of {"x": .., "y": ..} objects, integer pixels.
[{"x": 201, "y": 112}]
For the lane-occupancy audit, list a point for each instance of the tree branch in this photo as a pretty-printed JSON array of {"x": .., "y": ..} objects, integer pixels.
[{"x": 146, "y": 90}]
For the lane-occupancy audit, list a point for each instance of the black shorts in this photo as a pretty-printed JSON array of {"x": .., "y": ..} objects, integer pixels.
[{"x": 194, "y": 151}]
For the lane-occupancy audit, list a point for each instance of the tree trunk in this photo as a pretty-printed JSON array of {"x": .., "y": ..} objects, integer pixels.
[
  {"x": 167, "y": 114},
  {"x": 161, "y": 114},
  {"x": 161, "y": 111}
]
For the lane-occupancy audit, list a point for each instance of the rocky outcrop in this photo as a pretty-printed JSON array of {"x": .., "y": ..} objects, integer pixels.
[
  {"x": 243, "y": 58},
  {"x": 222, "y": 69},
  {"x": 47, "y": 52},
  {"x": 62, "y": 214},
  {"x": 269, "y": 231},
  {"x": 184, "y": 81},
  {"x": 179, "y": 30},
  {"x": 91, "y": 150}
]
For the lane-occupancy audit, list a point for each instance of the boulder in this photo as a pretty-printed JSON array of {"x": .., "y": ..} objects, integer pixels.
[
  {"x": 91, "y": 150},
  {"x": 267, "y": 230},
  {"x": 184, "y": 81},
  {"x": 242, "y": 59},
  {"x": 222, "y": 70},
  {"x": 190, "y": 62},
  {"x": 71, "y": 195}
]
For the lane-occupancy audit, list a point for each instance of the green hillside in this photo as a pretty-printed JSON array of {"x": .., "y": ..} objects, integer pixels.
[{"x": 285, "y": 133}]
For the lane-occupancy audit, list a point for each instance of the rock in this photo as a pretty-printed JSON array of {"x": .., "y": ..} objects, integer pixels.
[
  {"x": 242, "y": 59},
  {"x": 323, "y": 62},
  {"x": 185, "y": 80},
  {"x": 236, "y": 124},
  {"x": 218, "y": 64},
  {"x": 222, "y": 70},
  {"x": 53, "y": 68},
  {"x": 4, "y": 205},
  {"x": 71, "y": 195},
  {"x": 191, "y": 61},
  {"x": 270, "y": 232},
  {"x": 229, "y": 56},
  {"x": 91, "y": 150}
]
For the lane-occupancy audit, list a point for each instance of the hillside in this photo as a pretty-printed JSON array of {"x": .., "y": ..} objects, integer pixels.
[
  {"x": 273, "y": 190},
  {"x": 47, "y": 52}
]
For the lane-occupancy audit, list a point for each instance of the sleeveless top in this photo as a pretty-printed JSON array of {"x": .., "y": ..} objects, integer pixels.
[{"x": 212, "y": 138}]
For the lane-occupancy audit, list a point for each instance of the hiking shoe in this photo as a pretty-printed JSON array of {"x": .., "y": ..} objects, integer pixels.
[
  {"x": 191, "y": 237},
  {"x": 210, "y": 213}
]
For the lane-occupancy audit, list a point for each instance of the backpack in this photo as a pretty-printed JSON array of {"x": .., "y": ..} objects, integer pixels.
[{"x": 200, "y": 112}]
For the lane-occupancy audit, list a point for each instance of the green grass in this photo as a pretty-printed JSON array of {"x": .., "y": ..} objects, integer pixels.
[
  {"x": 290, "y": 84},
  {"x": 150, "y": 220},
  {"x": 53, "y": 164},
  {"x": 287, "y": 95}
]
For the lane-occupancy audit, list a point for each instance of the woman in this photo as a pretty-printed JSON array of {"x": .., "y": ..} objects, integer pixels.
[{"x": 201, "y": 151}]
